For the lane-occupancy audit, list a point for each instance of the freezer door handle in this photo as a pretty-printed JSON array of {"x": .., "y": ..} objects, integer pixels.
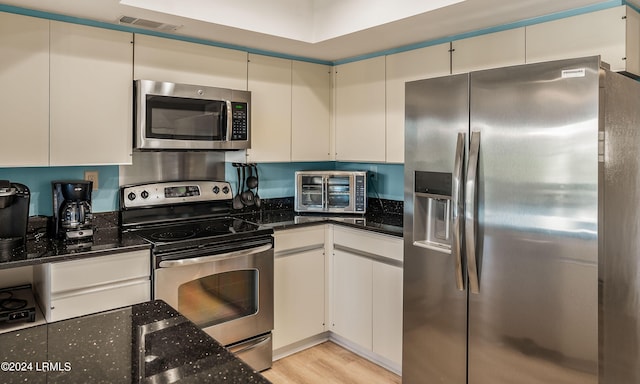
[
  {"x": 470, "y": 212},
  {"x": 457, "y": 211}
]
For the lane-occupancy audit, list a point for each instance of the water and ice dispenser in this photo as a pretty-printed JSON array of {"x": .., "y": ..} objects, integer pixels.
[{"x": 432, "y": 210}]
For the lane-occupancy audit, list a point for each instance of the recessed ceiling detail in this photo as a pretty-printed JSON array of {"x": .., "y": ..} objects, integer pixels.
[{"x": 310, "y": 21}]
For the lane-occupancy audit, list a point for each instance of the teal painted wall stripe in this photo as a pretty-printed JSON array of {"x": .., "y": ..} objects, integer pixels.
[
  {"x": 124, "y": 28},
  {"x": 522, "y": 23},
  {"x": 447, "y": 39}
]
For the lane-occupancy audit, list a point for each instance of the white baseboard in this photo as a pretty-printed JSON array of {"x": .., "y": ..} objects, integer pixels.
[{"x": 341, "y": 341}]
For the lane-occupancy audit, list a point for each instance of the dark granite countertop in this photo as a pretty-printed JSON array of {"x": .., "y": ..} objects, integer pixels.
[
  {"x": 144, "y": 343},
  {"x": 383, "y": 216},
  {"x": 42, "y": 248}
]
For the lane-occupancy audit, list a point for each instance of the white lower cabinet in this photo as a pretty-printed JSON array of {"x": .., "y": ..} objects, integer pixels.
[
  {"x": 355, "y": 294},
  {"x": 367, "y": 292},
  {"x": 80, "y": 287},
  {"x": 352, "y": 300},
  {"x": 299, "y": 285},
  {"x": 387, "y": 311}
]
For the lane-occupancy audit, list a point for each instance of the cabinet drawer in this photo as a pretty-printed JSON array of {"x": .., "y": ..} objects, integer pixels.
[
  {"x": 105, "y": 298},
  {"x": 374, "y": 243},
  {"x": 95, "y": 271},
  {"x": 299, "y": 238}
]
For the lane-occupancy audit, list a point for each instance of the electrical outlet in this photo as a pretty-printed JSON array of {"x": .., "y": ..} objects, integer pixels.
[
  {"x": 92, "y": 176},
  {"x": 373, "y": 172}
]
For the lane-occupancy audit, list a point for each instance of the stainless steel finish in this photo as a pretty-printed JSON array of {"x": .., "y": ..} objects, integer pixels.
[
  {"x": 457, "y": 198},
  {"x": 153, "y": 194},
  {"x": 148, "y": 167},
  {"x": 212, "y": 258},
  {"x": 537, "y": 218},
  {"x": 354, "y": 192},
  {"x": 619, "y": 264},
  {"x": 168, "y": 280},
  {"x": 556, "y": 211},
  {"x": 256, "y": 352},
  {"x": 471, "y": 222},
  {"x": 434, "y": 309},
  {"x": 159, "y": 88}
]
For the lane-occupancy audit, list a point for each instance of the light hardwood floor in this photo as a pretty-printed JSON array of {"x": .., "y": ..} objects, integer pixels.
[{"x": 328, "y": 363}]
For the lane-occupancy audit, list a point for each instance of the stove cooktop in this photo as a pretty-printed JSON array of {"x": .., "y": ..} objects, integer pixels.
[
  {"x": 193, "y": 233},
  {"x": 17, "y": 304}
]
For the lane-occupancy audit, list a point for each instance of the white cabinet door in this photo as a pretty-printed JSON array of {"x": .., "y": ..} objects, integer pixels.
[
  {"x": 270, "y": 85},
  {"x": 176, "y": 61},
  {"x": 299, "y": 293},
  {"x": 612, "y": 33},
  {"x": 311, "y": 112},
  {"x": 352, "y": 298},
  {"x": 412, "y": 65},
  {"x": 90, "y": 95},
  {"x": 360, "y": 110},
  {"x": 24, "y": 100},
  {"x": 387, "y": 311},
  {"x": 492, "y": 50}
]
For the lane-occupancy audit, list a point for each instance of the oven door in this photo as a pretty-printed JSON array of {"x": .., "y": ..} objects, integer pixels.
[{"x": 229, "y": 294}]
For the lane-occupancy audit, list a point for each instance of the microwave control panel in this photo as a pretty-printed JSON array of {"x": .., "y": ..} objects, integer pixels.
[
  {"x": 240, "y": 118},
  {"x": 360, "y": 193}
]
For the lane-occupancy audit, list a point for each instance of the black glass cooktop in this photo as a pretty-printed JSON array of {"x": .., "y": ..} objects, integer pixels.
[{"x": 193, "y": 233}]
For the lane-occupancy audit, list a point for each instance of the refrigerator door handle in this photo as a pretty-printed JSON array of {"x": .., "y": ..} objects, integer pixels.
[
  {"x": 470, "y": 213},
  {"x": 457, "y": 211}
]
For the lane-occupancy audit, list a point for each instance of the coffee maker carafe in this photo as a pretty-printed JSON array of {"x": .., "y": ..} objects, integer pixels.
[
  {"x": 14, "y": 216},
  {"x": 72, "y": 215}
]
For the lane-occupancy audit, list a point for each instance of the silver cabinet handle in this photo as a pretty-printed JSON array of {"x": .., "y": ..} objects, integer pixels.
[
  {"x": 220, "y": 256},
  {"x": 457, "y": 211},
  {"x": 470, "y": 212}
]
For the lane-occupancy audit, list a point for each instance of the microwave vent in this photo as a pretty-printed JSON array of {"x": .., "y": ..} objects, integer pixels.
[{"x": 149, "y": 24}]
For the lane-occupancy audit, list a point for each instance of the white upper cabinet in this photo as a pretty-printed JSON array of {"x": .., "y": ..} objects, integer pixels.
[
  {"x": 412, "y": 65},
  {"x": 24, "y": 100},
  {"x": 177, "y": 61},
  {"x": 360, "y": 111},
  {"x": 90, "y": 95},
  {"x": 311, "y": 112},
  {"x": 270, "y": 85},
  {"x": 494, "y": 50},
  {"x": 612, "y": 33}
]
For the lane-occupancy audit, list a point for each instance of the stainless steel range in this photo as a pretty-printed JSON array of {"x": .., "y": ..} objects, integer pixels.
[{"x": 215, "y": 269}]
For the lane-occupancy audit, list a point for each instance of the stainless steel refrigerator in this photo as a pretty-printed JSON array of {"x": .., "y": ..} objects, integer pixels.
[{"x": 522, "y": 226}]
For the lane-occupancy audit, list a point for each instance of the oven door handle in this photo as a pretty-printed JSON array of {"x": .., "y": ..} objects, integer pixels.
[{"x": 208, "y": 259}]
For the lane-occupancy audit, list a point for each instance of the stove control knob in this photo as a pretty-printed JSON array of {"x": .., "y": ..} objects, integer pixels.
[
  {"x": 144, "y": 194},
  {"x": 225, "y": 190},
  {"x": 216, "y": 189},
  {"x": 131, "y": 196}
]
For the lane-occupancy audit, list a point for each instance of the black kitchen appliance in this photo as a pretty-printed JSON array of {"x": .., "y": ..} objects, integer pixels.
[
  {"x": 14, "y": 215},
  {"x": 72, "y": 216},
  {"x": 17, "y": 304},
  {"x": 214, "y": 268}
]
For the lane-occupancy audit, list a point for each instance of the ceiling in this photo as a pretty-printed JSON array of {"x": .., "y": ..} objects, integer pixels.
[{"x": 322, "y": 30}]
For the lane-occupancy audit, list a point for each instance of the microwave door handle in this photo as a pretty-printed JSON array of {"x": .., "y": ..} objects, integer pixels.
[{"x": 229, "y": 114}]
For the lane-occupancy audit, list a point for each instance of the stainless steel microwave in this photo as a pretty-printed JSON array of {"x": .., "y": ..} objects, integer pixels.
[
  {"x": 170, "y": 116},
  {"x": 331, "y": 191}
]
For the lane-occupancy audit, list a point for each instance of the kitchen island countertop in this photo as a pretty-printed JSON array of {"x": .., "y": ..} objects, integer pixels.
[{"x": 144, "y": 343}]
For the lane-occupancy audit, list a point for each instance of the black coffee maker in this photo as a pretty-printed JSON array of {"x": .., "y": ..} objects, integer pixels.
[
  {"x": 72, "y": 217},
  {"x": 14, "y": 216}
]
